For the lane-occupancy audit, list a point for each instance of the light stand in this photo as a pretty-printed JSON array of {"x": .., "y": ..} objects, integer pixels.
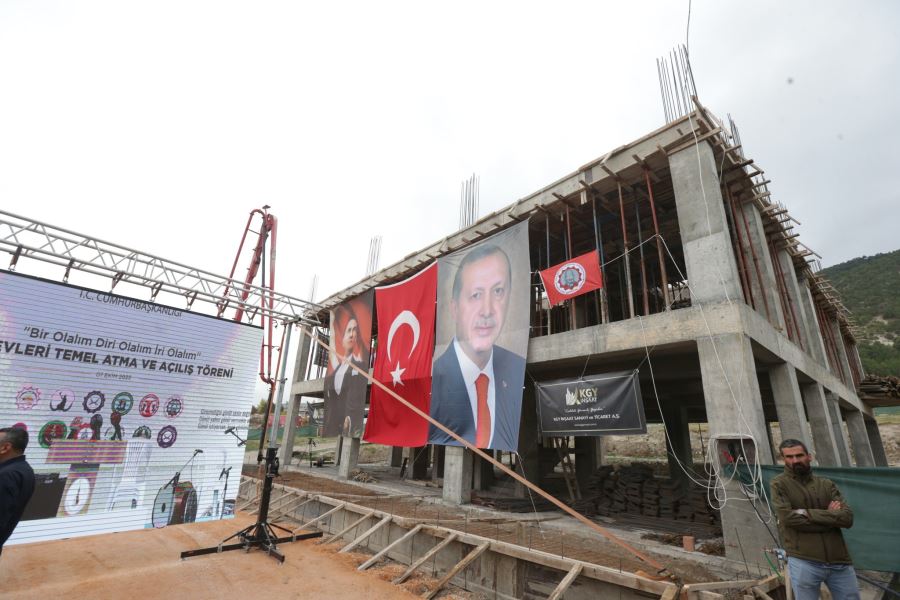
[{"x": 262, "y": 533}]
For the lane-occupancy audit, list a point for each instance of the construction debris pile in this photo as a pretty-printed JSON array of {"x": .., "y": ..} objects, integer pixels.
[
  {"x": 876, "y": 385},
  {"x": 635, "y": 490}
]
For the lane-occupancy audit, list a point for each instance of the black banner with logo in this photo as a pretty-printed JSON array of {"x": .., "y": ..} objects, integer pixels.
[{"x": 607, "y": 404}]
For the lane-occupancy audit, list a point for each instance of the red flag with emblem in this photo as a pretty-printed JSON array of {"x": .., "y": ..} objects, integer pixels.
[
  {"x": 403, "y": 360},
  {"x": 574, "y": 277}
]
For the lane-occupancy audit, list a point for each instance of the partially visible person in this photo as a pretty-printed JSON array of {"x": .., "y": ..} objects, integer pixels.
[
  {"x": 811, "y": 513},
  {"x": 16, "y": 480}
]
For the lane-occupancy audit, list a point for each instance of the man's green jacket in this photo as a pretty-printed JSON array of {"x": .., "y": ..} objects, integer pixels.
[{"x": 818, "y": 535}]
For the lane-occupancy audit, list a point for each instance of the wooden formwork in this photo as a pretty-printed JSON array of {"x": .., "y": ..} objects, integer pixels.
[{"x": 497, "y": 568}]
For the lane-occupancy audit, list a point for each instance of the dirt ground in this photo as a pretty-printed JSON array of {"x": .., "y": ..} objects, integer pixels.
[{"x": 147, "y": 562}]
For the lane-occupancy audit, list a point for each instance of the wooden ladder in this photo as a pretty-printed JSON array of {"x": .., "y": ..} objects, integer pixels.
[{"x": 562, "y": 449}]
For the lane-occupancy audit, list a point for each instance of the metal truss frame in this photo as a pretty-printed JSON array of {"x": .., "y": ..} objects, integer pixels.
[{"x": 24, "y": 237}]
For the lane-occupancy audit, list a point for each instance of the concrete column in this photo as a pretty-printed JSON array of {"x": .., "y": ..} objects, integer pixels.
[
  {"x": 734, "y": 411},
  {"x": 483, "y": 472},
  {"x": 837, "y": 423},
  {"x": 417, "y": 463},
  {"x": 789, "y": 404},
  {"x": 792, "y": 285},
  {"x": 678, "y": 440},
  {"x": 304, "y": 346},
  {"x": 529, "y": 442},
  {"x": 457, "y": 475},
  {"x": 396, "y": 456},
  {"x": 816, "y": 347},
  {"x": 708, "y": 254},
  {"x": 859, "y": 437},
  {"x": 854, "y": 356},
  {"x": 437, "y": 462},
  {"x": 826, "y": 451},
  {"x": 841, "y": 352},
  {"x": 339, "y": 450},
  {"x": 349, "y": 456},
  {"x": 767, "y": 269},
  {"x": 731, "y": 390},
  {"x": 876, "y": 443},
  {"x": 286, "y": 452},
  {"x": 588, "y": 458}
]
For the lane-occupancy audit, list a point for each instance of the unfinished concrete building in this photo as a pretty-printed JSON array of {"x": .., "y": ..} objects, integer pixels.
[{"x": 708, "y": 292}]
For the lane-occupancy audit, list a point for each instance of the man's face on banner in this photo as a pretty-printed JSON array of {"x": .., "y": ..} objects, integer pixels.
[
  {"x": 480, "y": 308},
  {"x": 351, "y": 336}
]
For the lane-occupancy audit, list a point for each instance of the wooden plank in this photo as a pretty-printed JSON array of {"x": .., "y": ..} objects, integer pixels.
[
  {"x": 437, "y": 548},
  {"x": 347, "y": 528},
  {"x": 670, "y": 594},
  {"x": 384, "y": 521},
  {"x": 475, "y": 553},
  {"x": 389, "y": 547},
  {"x": 599, "y": 572},
  {"x": 574, "y": 572},
  {"x": 320, "y": 517},
  {"x": 278, "y": 500},
  {"x": 283, "y": 511},
  {"x": 761, "y": 594},
  {"x": 546, "y": 559},
  {"x": 720, "y": 585}
]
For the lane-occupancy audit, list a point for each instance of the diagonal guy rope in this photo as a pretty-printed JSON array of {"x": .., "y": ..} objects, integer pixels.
[{"x": 660, "y": 569}]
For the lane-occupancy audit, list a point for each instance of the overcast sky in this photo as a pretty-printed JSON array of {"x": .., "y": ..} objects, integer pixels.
[{"x": 160, "y": 125}]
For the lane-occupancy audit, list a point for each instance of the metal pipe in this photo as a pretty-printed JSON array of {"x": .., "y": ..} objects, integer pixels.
[
  {"x": 646, "y": 301},
  {"x": 745, "y": 271},
  {"x": 549, "y": 308},
  {"x": 659, "y": 243},
  {"x": 782, "y": 292},
  {"x": 598, "y": 241},
  {"x": 762, "y": 287},
  {"x": 573, "y": 324},
  {"x": 773, "y": 251},
  {"x": 625, "y": 256},
  {"x": 830, "y": 348}
]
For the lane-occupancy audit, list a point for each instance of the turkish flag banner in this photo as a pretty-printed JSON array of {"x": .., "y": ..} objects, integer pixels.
[
  {"x": 574, "y": 277},
  {"x": 403, "y": 360}
]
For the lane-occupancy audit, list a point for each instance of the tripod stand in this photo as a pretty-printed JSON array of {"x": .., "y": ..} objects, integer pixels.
[{"x": 262, "y": 533}]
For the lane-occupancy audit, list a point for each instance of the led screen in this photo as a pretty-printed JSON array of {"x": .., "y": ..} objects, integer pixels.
[{"x": 126, "y": 404}]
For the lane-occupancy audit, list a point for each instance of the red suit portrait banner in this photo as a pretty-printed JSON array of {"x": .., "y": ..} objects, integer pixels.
[{"x": 405, "y": 313}]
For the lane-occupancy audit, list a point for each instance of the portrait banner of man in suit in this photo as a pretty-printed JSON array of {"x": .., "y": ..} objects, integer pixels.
[
  {"x": 345, "y": 387},
  {"x": 481, "y": 341}
]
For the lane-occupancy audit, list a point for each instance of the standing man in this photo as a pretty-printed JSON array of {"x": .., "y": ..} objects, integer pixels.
[
  {"x": 811, "y": 513},
  {"x": 476, "y": 384},
  {"x": 16, "y": 480}
]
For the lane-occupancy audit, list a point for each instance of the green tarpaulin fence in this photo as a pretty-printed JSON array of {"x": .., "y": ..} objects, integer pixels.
[{"x": 874, "y": 496}]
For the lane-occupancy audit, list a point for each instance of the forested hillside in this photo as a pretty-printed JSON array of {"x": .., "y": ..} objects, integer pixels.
[{"x": 870, "y": 288}]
